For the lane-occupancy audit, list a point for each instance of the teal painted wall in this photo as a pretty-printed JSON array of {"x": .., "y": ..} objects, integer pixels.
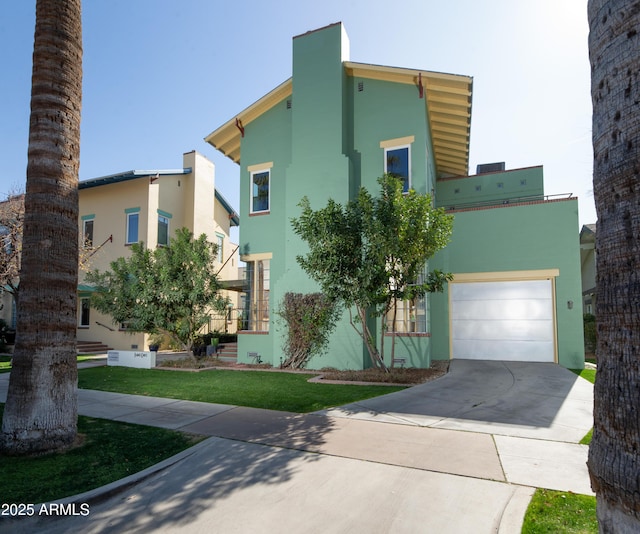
[
  {"x": 490, "y": 187},
  {"x": 510, "y": 238},
  {"x": 267, "y": 139},
  {"x": 325, "y": 146},
  {"x": 328, "y": 144},
  {"x": 320, "y": 169},
  {"x": 384, "y": 111},
  {"x": 415, "y": 350}
]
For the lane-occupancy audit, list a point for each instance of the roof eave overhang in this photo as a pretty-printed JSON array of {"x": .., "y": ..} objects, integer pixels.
[
  {"x": 234, "y": 218},
  {"x": 226, "y": 139},
  {"x": 131, "y": 175},
  {"x": 448, "y": 99}
]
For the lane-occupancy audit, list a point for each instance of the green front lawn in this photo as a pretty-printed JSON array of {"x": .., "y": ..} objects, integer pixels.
[
  {"x": 587, "y": 374},
  {"x": 559, "y": 511},
  {"x": 5, "y": 362},
  {"x": 271, "y": 390},
  {"x": 110, "y": 451}
]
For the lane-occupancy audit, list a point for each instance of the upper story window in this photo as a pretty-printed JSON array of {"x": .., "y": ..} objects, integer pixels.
[
  {"x": 260, "y": 191},
  {"x": 163, "y": 227},
  {"x": 220, "y": 249},
  {"x": 133, "y": 225},
  {"x": 260, "y": 187},
  {"x": 397, "y": 159},
  {"x": 87, "y": 230}
]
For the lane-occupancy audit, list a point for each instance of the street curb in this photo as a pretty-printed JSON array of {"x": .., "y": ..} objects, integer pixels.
[{"x": 513, "y": 514}]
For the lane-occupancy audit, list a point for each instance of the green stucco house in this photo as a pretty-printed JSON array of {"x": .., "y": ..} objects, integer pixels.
[{"x": 335, "y": 126}]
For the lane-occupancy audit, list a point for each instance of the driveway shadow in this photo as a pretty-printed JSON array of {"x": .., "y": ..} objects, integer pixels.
[
  {"x": 540, "y": 400},
  {"x": 213, "y": 471}
]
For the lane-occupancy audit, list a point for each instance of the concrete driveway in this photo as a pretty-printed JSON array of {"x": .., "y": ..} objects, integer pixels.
[{"x": 528, "y": 400}]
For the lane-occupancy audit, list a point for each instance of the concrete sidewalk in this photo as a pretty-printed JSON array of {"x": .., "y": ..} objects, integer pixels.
[{"x": 447, "y": 456}]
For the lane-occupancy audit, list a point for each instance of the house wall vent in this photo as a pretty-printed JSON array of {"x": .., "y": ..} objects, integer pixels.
[
  {"x": 289, "y": 103},
  {"x": 484, "y": 168},
  {"x": 360, "y": 87}
]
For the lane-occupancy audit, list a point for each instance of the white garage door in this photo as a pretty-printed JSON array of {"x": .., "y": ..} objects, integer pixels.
[{"x": 510, "y": 320}]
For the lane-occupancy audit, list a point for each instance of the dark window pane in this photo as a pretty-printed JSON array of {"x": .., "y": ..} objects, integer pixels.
[
  {"x": 88, "y": 233},
  {"x": 260, "y": 191},
  {"x": 163, "y": 231},
  {"x": 398, "y": 165}
]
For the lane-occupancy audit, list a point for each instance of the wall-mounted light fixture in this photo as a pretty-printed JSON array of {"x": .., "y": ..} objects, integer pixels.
[{"x": 570, "y": 304}]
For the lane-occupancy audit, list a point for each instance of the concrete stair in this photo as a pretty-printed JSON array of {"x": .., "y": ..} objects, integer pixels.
[
  {"x": 92, "y": 347},
  {"x": 228, "y": 352}
]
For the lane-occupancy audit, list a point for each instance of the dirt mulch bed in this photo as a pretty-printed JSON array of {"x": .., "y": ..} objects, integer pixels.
[
  {"x": 208, "y": 362},
  {"x": 395, "y": 376},
  {"x": 398, "y": 376}
]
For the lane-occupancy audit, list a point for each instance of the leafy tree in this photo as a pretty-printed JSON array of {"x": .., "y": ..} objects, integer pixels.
[
  {"x": 11, "y": 229},
  {"x": 11, "y": 222},
  {"x": 170, "y": 290},
  {"x": 614, "y": 452},
  {"x": 310, "y": 319},
  {"x": 371, "y": 252},
  {"x": 40, "y": 414}
]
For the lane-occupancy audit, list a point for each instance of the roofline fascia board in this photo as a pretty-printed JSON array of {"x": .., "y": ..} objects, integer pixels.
[
  {"x": 131, "y": 175},
  {"x": 252, "y": 112},
  {"x": 233, "y": 215}
]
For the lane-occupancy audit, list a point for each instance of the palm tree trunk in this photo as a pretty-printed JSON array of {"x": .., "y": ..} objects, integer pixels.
[
  {"x": 614, "y": 453},
  {"x": 41, "y": 410}
]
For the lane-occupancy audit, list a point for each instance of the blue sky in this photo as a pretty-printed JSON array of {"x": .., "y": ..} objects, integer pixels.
[{"x": 159, "y": 75}]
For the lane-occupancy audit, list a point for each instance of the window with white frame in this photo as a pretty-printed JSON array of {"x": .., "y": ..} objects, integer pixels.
[
  {"x": 397, "y": 159},
  {"x": 85, "y": 312},
  {"x": 260, "y": 193},
  {"x": 220, "y": 249},
  {"x": 256, "y": 311},
  {"x": 133, "y": 224},
  {"x": 87, "y": 230},
  {"x": 163, "y": 228},
  {"x": 397, "y": 162}
]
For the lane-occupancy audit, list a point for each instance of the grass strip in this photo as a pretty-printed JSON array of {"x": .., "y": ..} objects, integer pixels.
[
  {"x": 587, "y": 374},
  {"x": 559, "y": 511},
  {"x": 109, "y": 451},
  {"x": 290, "y": 392},
  {"x": 5, "y": 361},
  {"x": 590, "y": 375}
]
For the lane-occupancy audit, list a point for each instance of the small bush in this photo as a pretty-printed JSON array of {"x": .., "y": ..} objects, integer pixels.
[{"x": 310, "y": 319}]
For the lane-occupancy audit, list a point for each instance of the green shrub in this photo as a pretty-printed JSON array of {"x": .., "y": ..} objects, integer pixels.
[{"x": 310, "y": 319}]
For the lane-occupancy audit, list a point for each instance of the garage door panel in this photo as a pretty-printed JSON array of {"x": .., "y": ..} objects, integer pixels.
[
  {"x": 502, "y": 290},
  {"x": 507, "y": 351},
  {"x": 495, "y": 310},
  {"x": 504, "y": 330},
  {"x": 503, "y": 320}
]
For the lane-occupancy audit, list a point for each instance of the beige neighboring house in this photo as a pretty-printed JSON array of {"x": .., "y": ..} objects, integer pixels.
[
  {"x": 588, "y": 267},
  {"x": 149, "y": 205}
]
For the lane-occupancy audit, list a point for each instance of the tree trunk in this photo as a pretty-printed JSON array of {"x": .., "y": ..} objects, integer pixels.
[
  {"x": 41, "y": 410},
  {"x": 614, "y": 466},
  {"x": 369, "y": 341}
]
